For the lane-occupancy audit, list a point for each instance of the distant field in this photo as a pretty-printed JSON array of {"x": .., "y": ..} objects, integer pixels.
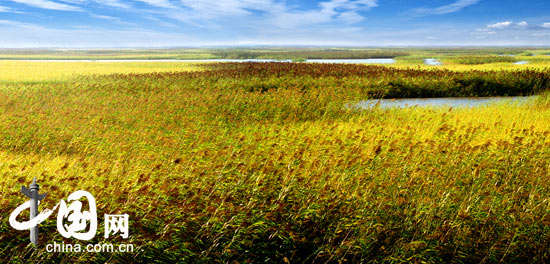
[
  {"x": 270, "y": 162},
  {"x": 41, "y": 71},
  {"x": 141, "y": 54},
  {"x": 297, "y": 54},
  {"x": 51, "y": 71}
]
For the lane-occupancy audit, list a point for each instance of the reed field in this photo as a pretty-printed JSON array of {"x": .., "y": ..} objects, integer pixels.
[
  {"x": 51, "y": 71},
  {"x": 273, "y": 163}
]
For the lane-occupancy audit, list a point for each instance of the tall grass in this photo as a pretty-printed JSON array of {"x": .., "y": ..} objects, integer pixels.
[
  {"x": 51, "y": 71},
  {"x": 378, "y": 81},
  {"x": 472, "y": 60},
  {"x": 544, "y": 99},
  {"x": 263, "y": 163}
]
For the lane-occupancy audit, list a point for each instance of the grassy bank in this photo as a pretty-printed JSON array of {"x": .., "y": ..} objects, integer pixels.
[
  {"x": 50, "y": 71},
  {"x": 364, "y": 81},
  {"x": 263, "y": 163}
]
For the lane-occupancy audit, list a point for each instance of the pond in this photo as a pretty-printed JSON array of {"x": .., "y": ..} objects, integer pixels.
[
  {"x": 521, "y": 62},
  {"x": 456, "y": 102},
  {"x": 433, "y": 62}
]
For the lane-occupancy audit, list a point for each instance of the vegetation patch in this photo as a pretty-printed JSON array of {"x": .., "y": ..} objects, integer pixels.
[
  {"x": 262, "y": 162},
  {"x": 472, "y": 60}
]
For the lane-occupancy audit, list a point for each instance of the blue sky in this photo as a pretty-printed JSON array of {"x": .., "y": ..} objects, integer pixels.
[{"x": 169, "y": 23}]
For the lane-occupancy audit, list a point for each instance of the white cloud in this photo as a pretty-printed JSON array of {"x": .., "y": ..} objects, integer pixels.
[
  {"x": 104, "y": 17},
  {"x": 77, "y": 2},
  {"x": 31, "y": 35},
  {"x": 273, "y": 14},
  {"x": 252, "y": 22},
  {"x": 215, "y": 14},
  {"x": 350, "y": 5},
  {"x": 508, "y": 24},
  {"x": 501, "y": 25},
  {"x": 4, "y": 9},
  {"x": 45, "y": 4},
  {"x": 16, "y": 24},
  {"x": 446, "y": 9},
  {"x": 113, "y": 3},
  {"x": 113, "y": 19},
  {"x": 343, "y": 11},
  {"x": 160, "y": 22},
  {"x": 522, "y": 24},
  {"x": 483, "y": 31},
  {"x": 158, "y": 3},
  {"x": 209, "y": 9},
  {"x": 207, "y": 13},
  {"x": 350, "y": 17},
  {"x": 9, "y": 22}
]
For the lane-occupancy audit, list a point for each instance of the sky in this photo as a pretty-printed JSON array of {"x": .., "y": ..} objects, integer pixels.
[{"x": 199, "y": 23}]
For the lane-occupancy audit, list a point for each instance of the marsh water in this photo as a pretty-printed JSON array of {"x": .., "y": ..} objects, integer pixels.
[
  {"x": 433, "y": 62},
  {"x": 456, "y": 102}
]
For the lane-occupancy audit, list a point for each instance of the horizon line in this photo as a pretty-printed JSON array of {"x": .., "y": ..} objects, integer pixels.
[{"x": 277, "y": 46}]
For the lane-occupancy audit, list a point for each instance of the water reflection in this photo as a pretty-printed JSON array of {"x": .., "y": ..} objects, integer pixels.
[
  {"x": 455, "y": 102},
  {"x": 433, "y": 62}
]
